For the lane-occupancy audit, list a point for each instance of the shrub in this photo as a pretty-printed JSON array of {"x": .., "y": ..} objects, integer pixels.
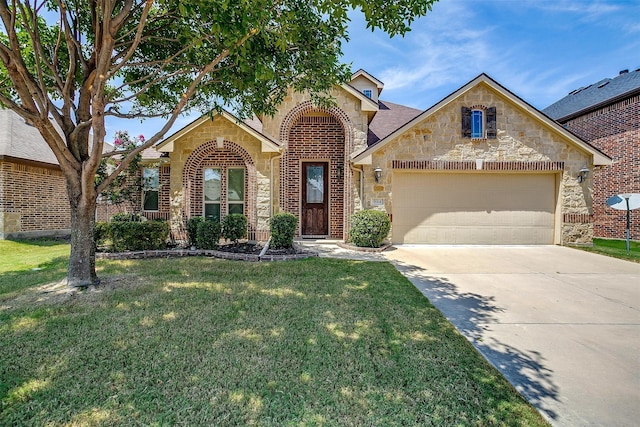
[
  {"x": 208, "y": 234},
  {"x": 234, "y": 227},
  {"x": 192, "y": 229},
  {"x": 101, "y": 233},
  {"x": 369, "y": 228},
  {"x": 283, "y": 228},
  {"x": 127, "y": 217},
  {"x": 138, "y": 236}
]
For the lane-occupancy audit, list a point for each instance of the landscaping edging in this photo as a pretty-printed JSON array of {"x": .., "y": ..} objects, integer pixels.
[
  {"x": 360, "y": 249},
  {"x": 172, "y": 253}
]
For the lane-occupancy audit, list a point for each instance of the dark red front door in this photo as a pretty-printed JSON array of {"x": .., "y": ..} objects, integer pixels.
[{"x": 315, "y": 195}]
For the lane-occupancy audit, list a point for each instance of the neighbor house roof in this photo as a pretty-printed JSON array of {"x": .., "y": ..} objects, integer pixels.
[
  {"x": 18, "y": 140},
  {"x": 599, "y": 158},
  {"x": 595, "y": 96}
]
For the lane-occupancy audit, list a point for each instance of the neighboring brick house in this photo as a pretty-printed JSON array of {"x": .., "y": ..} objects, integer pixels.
[
  {"x": 607, "y": 114},
  {"x": 33, "y": 195},
  {"x": 481, "y": 166},
  {"x": 33, "y": 190}
]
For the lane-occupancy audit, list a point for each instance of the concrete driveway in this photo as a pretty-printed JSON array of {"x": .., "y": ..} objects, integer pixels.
[{"x": 562, "y": 325}]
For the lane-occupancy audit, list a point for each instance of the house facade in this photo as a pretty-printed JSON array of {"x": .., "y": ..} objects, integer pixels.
[
  {"x": 33, "y": 195},
  {"x": 607, "y": 114},
  {"x": 480, "y": 167}
]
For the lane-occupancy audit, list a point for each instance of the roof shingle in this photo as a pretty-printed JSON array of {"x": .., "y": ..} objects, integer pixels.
[{"x": 591, "y": 97}]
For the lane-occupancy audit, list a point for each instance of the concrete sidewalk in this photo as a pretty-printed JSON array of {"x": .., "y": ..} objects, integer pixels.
[{"x": 562, "y": 325}]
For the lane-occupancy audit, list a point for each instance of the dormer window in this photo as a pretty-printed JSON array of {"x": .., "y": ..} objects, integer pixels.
[
  {"x": 368, "y": 93},
  {"x": 479, "y": 122}
]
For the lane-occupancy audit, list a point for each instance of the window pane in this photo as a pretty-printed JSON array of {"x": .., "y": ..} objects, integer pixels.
[
  {"x": 212, "y": 211},
  {"x": 150, "y": 200},
  {"x": 315, "y": 184},
  {"x": 150, "y": 178},
  {"x": 236, "y": 208},
  {"x": 212, "y": 185},
  {"x": 235, "y": 185},
  {"x": 476, "y": 124}
]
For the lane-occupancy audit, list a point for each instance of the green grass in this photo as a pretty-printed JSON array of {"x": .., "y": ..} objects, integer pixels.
[
  {"x": 198, "y": 341},
  {"x": 24, "y": 264},
  {"x": 615, "y": 248}
]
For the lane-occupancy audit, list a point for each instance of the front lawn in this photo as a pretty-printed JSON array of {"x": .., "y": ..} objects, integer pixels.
[
  {"x": 200, "y": 341},
  {"x": 615, "y": 248}
]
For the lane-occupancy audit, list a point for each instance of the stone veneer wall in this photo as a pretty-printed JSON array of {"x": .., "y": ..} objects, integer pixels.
[
  {"x": 520, "y": 138},
  {"x": 236, "y": 143},
  {"x": 33, "y": 201},
  {"x": 614, "y": 129}
]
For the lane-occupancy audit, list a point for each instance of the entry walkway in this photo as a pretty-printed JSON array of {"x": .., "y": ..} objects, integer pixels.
[{"x": 330, "y": 249}]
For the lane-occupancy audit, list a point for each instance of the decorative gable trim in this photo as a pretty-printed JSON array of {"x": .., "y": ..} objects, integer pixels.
[
  {"x": 363, "y": 73},
  {"x": 269, "y": 145}
]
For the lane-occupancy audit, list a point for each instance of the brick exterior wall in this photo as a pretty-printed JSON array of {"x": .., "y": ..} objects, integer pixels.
[
  {"x": 315, "y": 136},
  {"x": 33, "y": 201},
  {"x": 614, "y": 129},
  {"x": 210, "y": 156}
]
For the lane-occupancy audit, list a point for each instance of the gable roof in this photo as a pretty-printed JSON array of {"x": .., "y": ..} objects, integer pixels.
[
  {"x": 365, "y": 74},
  {"x": 599, "y": 158},
  {"x": 18, "y": 140},
  {"x": 252, "y": 127},
  {"x": 595, "y": 96}
]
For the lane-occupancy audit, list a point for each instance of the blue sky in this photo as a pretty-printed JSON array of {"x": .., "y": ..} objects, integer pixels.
[{"x": 539, "y": 49}]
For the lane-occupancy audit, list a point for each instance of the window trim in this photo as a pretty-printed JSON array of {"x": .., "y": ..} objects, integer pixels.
[
  {"x": 225, "y": 203},
  {"x": 205, "y": 202},
  {"x": 477, "y": 123},
  {"x": 146, "y": 189},
  {"x": 368, "y": 93},
  {"x": 244, "y": 189}
]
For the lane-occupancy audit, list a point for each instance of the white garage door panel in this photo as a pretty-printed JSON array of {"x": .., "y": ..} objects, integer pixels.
[{"x": 473, "y": 208}]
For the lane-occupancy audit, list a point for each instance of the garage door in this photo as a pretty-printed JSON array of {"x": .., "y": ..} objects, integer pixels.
[{"x": 473, "y": 208}]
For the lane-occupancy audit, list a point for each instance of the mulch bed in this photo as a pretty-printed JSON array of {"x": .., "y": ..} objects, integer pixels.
[{"x": 250, "y": 248}]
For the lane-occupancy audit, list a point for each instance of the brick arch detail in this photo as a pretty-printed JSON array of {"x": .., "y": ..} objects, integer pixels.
[
  {"x": 209, "y": 154},
  {"x": 349, "y": 137}
]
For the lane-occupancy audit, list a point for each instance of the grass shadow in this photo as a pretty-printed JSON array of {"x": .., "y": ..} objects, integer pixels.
[
  {"x": 471, "y": 313},
  {"x": 13, "y": 282}
]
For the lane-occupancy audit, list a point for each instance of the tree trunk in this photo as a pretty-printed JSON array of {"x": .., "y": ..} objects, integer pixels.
[{"x": 82, "y": 260}]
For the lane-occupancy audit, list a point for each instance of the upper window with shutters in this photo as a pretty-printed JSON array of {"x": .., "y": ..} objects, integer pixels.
[{"x": 479, "y": 122}]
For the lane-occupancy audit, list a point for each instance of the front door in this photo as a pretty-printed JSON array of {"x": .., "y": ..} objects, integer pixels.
[{"x": 315, "y": 195}]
